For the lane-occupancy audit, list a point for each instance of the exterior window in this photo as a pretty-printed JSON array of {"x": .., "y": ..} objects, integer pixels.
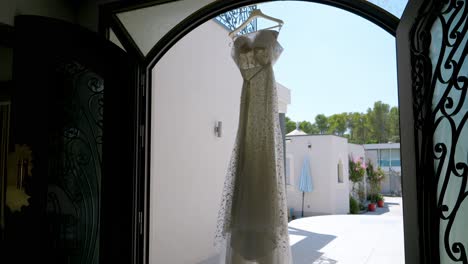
[
  {"x": 384, "y": 158},
  {"x": 389, "y": 158},
  {"x": 340, "y": 171},
  {"x": 395, "y": 158}
]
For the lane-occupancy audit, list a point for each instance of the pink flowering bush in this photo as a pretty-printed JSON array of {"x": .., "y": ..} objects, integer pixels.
[
  {"x": 357, "y": 169},
  {"x": 374, "y": 177}
]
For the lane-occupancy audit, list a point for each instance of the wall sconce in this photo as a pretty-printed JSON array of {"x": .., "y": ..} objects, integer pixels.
[{"x": 218, "y": 128}]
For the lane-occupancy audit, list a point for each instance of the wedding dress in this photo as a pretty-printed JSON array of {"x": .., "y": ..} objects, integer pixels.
[{"x": 252, "y": 222}]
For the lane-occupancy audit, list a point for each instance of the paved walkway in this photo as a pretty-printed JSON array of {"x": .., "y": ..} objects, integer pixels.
[{"x": 374, "y": 237}]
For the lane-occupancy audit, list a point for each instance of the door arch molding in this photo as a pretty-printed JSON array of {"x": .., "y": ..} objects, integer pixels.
[
  {"x": 109, "y": 19},
  {"x": 364, "y": 9}
]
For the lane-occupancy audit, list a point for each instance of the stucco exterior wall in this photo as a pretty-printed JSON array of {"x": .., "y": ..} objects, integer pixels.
[
  {"x": 196, "y": 84},
  {"x": 341, "y": 189},
  {"x": 328, "y": 196}
]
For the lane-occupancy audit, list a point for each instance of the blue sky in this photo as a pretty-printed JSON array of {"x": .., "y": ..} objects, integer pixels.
[{"x": 333, "y": 61}]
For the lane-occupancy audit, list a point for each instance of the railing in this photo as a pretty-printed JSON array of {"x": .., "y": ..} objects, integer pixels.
[{"x": 234, "y": 18}]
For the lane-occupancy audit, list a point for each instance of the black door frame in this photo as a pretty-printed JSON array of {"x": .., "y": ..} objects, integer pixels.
[{"x": 414, "y": 236}]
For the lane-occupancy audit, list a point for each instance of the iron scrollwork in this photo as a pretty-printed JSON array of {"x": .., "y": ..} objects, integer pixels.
[
  {"x": 74, "y": 188},
  {"x": 440, "y": 81},
  {"x": 234, "y": 18}
]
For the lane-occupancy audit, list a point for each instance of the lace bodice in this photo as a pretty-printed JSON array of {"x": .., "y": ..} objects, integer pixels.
[{"x": 255, "y": 50}]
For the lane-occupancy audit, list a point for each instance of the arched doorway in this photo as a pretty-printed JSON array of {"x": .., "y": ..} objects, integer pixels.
[{"x": 417, "y": 123}]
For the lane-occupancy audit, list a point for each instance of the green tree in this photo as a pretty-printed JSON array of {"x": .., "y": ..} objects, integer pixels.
[
  {"x": 394, "y": 124},
  {"x": 378, "y": 119},
  {"x": 352, "y": 121},
  {"x": 290, "y": 125},
  {"x": 359, "y": 128},
  {"x": 308, "y": 128},
  {"x": 321, "y": 121},
  {"x": 380, "y": 124},
  {"x": 337, "y": 124}
]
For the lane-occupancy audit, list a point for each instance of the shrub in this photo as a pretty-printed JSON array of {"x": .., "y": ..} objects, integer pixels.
[
  {"x": 373, "y": 198},
  {"x": 357, "y": 168},
  {"x": 361, "y": 193},
  {"x": 353, "y": 205},
  {"x": 380, "y": 197},
  {"x": 374, "y": 177}
]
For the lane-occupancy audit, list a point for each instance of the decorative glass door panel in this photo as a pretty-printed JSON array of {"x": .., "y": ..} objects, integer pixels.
[{"x": 449, "y": 84}]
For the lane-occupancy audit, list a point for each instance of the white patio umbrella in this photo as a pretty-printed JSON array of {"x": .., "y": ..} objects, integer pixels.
[{"x": 305, "y": 181}]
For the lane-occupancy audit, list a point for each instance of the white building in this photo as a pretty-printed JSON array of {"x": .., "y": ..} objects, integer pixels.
[
  {"x": 387, "y": 156},
  {"x": 328, "y": 159},
  {"x": 193, "y": 91}
]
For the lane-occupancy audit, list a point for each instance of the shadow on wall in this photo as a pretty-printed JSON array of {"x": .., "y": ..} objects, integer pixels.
[{"x": 306, "y": 251}]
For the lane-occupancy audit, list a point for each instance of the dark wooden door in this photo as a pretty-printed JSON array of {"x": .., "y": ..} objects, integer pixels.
[{"x": 73, "y": 110}]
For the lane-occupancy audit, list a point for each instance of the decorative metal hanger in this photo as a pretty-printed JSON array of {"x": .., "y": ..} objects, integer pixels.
[{"x": 253, "y": 15}]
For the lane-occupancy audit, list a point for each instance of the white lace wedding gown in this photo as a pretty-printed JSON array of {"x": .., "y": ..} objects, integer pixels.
[{"x": 252, "y": 222}]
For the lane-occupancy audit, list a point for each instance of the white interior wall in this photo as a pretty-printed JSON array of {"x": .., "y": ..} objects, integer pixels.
[
  {"x": 60, "y": 9},
  {"x": 195, "y": 84}
]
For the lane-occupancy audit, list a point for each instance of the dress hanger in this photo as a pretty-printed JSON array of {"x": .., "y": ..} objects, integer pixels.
[{"x": 254, "y": 14}]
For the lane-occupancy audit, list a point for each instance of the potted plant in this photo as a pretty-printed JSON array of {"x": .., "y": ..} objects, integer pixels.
[
  {"x": 372, "y": 200},
  {"x": 375, "y": 177},
  {"x": 380, "y": 200}
]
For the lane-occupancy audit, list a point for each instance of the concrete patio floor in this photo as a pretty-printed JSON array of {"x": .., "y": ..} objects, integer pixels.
[{"x": 374, "y": 237}]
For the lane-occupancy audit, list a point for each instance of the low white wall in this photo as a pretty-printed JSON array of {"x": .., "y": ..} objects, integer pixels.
[{"x": 195, "y": 84}]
